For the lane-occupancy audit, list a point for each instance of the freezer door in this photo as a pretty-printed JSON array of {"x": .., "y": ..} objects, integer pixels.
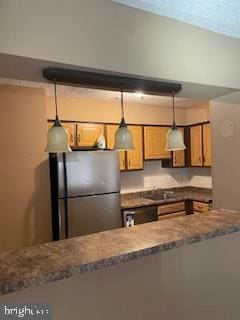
[
  {"x": 89, "y": 173},
  {"x": 91, "y": 214}
]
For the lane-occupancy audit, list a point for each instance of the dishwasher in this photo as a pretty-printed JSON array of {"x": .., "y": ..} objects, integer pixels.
[{"x": 141, "y": 215}]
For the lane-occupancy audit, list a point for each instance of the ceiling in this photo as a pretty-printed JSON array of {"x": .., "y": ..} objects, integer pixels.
[
  {"x": 220, "y": 16},
  {"x": 104, "y": 95}
]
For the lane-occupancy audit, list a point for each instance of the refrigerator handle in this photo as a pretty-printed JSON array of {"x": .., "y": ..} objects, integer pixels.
[
  {"x": 65, "y": 195},
  {"x": 53, "y": 168}
]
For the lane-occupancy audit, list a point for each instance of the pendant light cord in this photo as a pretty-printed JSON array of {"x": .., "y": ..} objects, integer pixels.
[
  {"x": 122, "y": 102},
  {"x": 174, "y": 122},
  {"x": 173, "y": 95},
  {"x": 55, "y": 96},
  {"x": 123, "y": 123}
]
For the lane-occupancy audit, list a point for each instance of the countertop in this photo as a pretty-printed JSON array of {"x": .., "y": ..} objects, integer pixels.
[
  {"x": 138, "y": 199},
  {"x": 33, "y": 266}
]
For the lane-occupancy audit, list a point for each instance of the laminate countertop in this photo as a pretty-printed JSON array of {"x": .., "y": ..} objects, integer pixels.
[
  {"x": 140, "y": 199},
  {"x": 40, "y": 264}
]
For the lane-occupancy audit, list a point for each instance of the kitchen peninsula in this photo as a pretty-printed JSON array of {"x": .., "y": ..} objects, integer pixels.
[{"x": 41, "y": 264}]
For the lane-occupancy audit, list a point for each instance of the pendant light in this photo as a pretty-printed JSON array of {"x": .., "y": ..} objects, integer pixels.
[
  {"x": 174, "y": 136},
  {"x": 123, "y": 136},
  {"x": 57, "y": 139}
]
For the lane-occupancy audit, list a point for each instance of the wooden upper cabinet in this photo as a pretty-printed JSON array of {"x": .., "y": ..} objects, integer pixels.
[
  {"x": 70, "y": 128},
  {"x": 87, "y": 134},
  {"x": 196, "y": 145},
  {"x": 111, "y": 130},
  {"x": 207, "y": 146},
  {"x": 155, "y": 143},
  {"x": 179, "y": 155},
  {"x": 135, "y": 157},
  {"x": 71, "y": 132}
]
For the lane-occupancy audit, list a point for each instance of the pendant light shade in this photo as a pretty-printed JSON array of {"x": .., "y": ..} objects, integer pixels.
[
  {"x": 123, "y": 136},
  {"x": 175, "y": 139},
  {"x": 57, "y": 139}
]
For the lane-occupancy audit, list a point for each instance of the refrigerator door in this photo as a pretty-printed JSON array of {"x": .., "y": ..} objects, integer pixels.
[
  {"x": 89, "y": 173},
  {"x": 91, "y": 214}
]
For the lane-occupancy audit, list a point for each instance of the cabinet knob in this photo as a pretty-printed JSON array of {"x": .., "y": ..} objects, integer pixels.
[{"x": 71, "y": 137}]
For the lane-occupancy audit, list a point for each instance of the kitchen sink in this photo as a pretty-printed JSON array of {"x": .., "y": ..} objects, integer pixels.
[{"x": 162, "y": 196}]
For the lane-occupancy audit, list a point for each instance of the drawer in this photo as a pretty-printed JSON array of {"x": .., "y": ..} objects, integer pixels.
[
  {"x": 172, "y": 215},
  {"x": 199, "y": 212},
  {"x": 200, "y": 206},
  {"x": 171, "y": 207}
]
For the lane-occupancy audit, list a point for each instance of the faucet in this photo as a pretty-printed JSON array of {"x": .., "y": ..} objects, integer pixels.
[
  {"x": 157, "y": 190},
  {"x": 167, "y": 192}
]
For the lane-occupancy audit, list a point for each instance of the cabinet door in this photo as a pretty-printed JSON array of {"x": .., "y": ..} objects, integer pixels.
[
  {"x": 196, "y": 145},
  {"x": 87, "y": 134},
  {"x": 135, "y": 157},
  {"x": 207, "y": 147},
  {"x": 70, "y": 129},
  {"x": 179, "y": 155},
  {"x": 155, "y": 143},
  {"x": 111, "y": 129}
]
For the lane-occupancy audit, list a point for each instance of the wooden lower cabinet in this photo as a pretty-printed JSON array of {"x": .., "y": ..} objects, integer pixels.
[
  {"x": 171, "y": 207},
  {"x": 171, "y": 210},
  {"x": 155, "y": 143},
  {"x": 135, "y": 157},
  {"x": 70, "y": 128},
  {"x": 196, "y": 145},
  {"x": 110, "y": 134},
  {"x": 87, "y": 134},
  {"x": 207, "y": 145},
  {"x": 172, "y": 215}
]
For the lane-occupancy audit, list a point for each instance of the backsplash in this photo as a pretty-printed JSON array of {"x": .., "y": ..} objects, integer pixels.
[
  {"x": 154, "y": 176},
  {"x": 200, "y": 177}
]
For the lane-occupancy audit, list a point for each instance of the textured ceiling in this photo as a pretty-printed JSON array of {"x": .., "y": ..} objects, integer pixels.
[
  {"x": 220, "y": 16},
  {"x": 104, "y": 95}
]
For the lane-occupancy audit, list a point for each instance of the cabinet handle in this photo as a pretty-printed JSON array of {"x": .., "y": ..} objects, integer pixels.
[
  {"x": 129, "y": 162},
  {"x": 71, "y": 137},
  {"x": 79, "y": 138}
]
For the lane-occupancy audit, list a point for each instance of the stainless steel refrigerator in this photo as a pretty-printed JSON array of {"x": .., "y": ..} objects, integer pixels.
[{"x": 85, "y": 188}]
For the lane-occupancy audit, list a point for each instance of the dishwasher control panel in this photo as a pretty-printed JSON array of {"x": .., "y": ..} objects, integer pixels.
[{"x": 141, "y": 215}]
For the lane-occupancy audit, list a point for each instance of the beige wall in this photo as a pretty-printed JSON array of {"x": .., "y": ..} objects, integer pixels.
[
  {"x": 109, "y": 36},
  {"x": 225, "y": 115},
  {"x": 78, "y": 109},
  {"x": 24, "y": 186},
  {"x": 195, "y": 115}
]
